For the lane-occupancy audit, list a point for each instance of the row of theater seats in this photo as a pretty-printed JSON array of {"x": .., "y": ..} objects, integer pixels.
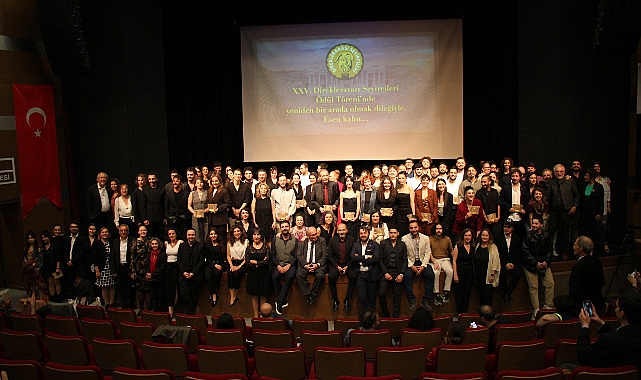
[{"x": 266, "y": 338}]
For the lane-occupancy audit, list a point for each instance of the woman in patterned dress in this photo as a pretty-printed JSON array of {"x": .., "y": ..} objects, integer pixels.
[
  {"x": 31, "y": 265},
  {"x": 197, "y": 205},
  {"x": 104, "y": 264}
]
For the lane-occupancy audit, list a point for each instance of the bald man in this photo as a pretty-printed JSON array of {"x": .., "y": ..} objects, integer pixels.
[{"x": 312, "y": 259}]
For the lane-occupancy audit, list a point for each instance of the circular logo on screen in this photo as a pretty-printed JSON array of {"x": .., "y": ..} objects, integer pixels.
[{"x": 344, "y": 61}]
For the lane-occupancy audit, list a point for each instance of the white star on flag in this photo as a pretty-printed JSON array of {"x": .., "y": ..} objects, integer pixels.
[{"x": 38, "y": 132}]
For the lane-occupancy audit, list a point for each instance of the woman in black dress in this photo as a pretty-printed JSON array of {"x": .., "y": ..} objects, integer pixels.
[
  {"x": 463, "y": 265},
  {"x": 259, "y": 280},
  {"x": 51, "y": 256},
  {"x": 300, "y": 194},
  {"x": 214, "y": 264},
  {"x": 263, "y": 212},
  {"x": 386, "y": 202}
]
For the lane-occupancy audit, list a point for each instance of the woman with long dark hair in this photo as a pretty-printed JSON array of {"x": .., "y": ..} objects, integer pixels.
[
  {"x": 259, "y": 280},
  {"x": 171, "y": 270},
  {"x": 214, "y": 264},
  {"x": 463, "y": 266},
  {"x": 236, "y": 249},
  {"x": 32, "y": 263},
  {"x": 105, "y": 266},
  {"x": 487, "y": 267}
]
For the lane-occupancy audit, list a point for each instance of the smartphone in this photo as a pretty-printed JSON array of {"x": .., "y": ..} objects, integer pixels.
[{"x": 587, "y": 306}]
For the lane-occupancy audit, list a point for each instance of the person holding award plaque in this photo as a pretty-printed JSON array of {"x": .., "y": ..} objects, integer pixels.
[
  {"x": 469, "y": 214},
  {"x": 350, "y": 206},
  {"x": 406, "y": 205},
  {"x": 386, "y": 201},
  {"x": 218, "y": 202},
  {"x": 515, "y": 198},
  {"x": 197, "y": 205},
  {"x": 368, "y": 199},
  {"x": 426, "y": 206},
  {"x": 378, "y": 230}
]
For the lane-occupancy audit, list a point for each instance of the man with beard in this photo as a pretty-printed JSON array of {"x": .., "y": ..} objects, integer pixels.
[
  {"x": 393, "y": 263},
  {"x": 284, "y": 248},
  {"x": 563, "y": 197},
  {"x": 537, "y": 256},
  {"x": 365, "y": 255},
  {"x": 339, "y": 262},
  {"x": 489, "y": 198}
]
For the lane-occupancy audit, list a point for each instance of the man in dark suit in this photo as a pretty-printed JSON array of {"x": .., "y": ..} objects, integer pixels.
[
  {"x": 153, "y": 212},
  {"x": 393, "y": 263},
  {"x": 311, "y": 258},
  {"x": 613, "y": 347},
  {"x": 349, "y": 173},
  {"x": 339, "y": 264},
  {"x": 563, "y": 197},
  {"x": 515, "y": 194},
  {"x": 509, "y": 245},
  {"x": 191, "y": 259},
  {"x": 240, "y": 196},
  {"x": 587, "y": 278},
  {"x": 325, "y": 192},
  {"x": 76, "y": 260},
  {"x": 121, "y": 251},
  {"x": 365, "y": 255},
  {"x": 99, "y": 203}
]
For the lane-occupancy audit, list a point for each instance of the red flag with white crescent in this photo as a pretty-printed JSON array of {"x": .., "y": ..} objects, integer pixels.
[{"x": 37, "y": 145}]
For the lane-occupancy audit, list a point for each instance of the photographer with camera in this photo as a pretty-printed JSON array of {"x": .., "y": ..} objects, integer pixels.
[{"x": 613, "y": 347}]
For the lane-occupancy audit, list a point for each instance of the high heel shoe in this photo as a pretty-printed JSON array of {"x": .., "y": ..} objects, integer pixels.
[{"x": 233, "y": 303}]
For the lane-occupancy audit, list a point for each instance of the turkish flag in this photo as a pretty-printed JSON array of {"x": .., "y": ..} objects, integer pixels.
[{"x": 37, "y": 145}]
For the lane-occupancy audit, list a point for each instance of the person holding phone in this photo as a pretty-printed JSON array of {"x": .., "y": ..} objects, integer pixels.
[{"x": 587, "y": 278}]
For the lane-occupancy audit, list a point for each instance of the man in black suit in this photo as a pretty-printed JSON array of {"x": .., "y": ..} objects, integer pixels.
[
  {"x": 76, "y": 261},
  {"x": 121, "y": 250},
  {"x": 509, "y": 245},
  {"x": 515, "y": 194},
  {"x": 325, "y": 192},
  {"x": 393, "y": 263},
  {"x": 311, "y": 258},
  {"x": 191, "y": 259},
  {"x": 339, "y": 264},
  {"x": 365, "y": 255},
  {"x": 613, "y": 347},
  {"x": 349, "y": 173},
  {"x": 99, "y": 203},
  {"x": 587, "y": 278},
  {"x": 153, "y": 212}
]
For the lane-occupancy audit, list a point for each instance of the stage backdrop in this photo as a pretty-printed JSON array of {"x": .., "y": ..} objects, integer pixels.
[{"x": 346, "y": 90}]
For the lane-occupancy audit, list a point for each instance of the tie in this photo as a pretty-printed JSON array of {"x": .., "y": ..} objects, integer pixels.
[
  {"x": 417, "y": 256},
  {"x": 310, "y": 254},
  {"x": 325, "y": 195}
]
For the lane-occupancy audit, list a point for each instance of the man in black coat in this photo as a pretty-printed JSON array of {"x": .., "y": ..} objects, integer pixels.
[
  {"x": 393, "y": 263},
  {"x": 510, "y": 246},
  {"x": 191, "y": 258},
  {"x": 324, "y": 193},
  {"x": 587, "y": 278},
  {"x": 153, "y": 212},
  {"x": 99, "y": 203},
  {"x": 339, "y": 264}
]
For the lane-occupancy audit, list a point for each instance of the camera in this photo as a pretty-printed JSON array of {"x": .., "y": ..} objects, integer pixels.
[
  {"x": 634, "y": 274},
  {"x": 587, "y": 306},
  {"x": 473, "y": 325}
]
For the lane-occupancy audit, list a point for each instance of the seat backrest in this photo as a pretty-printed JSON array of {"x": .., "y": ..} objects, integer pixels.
[
  {"x": 407, "y": 361},
  {"x": 194, "y": 320},
  {"x": 300, "y": 324},
  {"x": 268, "y": 323},
  {"x": 467, "y": 318},
  {"x": 382, "y": 377},
  {"x": 223, "y": 360},
  {"x": 526, "y": 355},
  {"x": 119, "y": 315},
  {"x": 123, "y": 373},
  {"x": 443, "y": 322},
  {"x": 23, "y": 345},
  {"x": 190, "y": 375},
  {"x": 57, "y": 371},
  {"x": 518, "y": 316},
  {"x": 5, "y": 322},
  {"x": 560, "y": 330},
  {"x": 273, "y": 338},
  {"x": 269, "y": 363},
  {"x": 344, "y": 324},
  {"x": 22, "y": 369},
  {"x": 156, "y": 318},
  {"x": 412, "y": 337},
  {"x": 465, "y": 358},
  {"x": 239, "y": 323},
  {"x": 137, "y": 331},
  {"x": 628, "y": 372},
  {"x": 395, "y": 325},
  {"x": 112, "y": 353},
  {"x": 69, "y": 349},
  {"x": 174, "y": 357},
  {"x": 370, "y": 340},
  {"x": 331, "y": 362},
  {"x": 480, "y": 334},
  {"x": 514, "y": 332},
  {"x": 103, "y": 328},
  {"x": 27, "y": 322},
  {"x": 565, "y": 351},
  {"x": 550, "y": 373},
  {"x": 447, "y": 376},
  {"x": 63, "y": 324},
  {"x": 87, "y": 311},
  {"x": 224, "y": 337},
  {"x": 309, "y": 340}
]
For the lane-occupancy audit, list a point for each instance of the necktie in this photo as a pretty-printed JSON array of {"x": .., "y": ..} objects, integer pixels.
[
  {"x": 325, "y": 195},
  {"x": 310, "y": 254}
]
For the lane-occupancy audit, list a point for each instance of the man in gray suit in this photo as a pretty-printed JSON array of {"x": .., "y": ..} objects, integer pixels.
[
  {"x": 312, "y": 258},
  {"x": 563, "y": 197}
]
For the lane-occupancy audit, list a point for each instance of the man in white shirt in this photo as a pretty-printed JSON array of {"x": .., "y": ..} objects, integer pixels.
[
  {"x": 415, "y": 181},
  {"x": 304, "y": 175},
  {"x": 284, "y": 200}
]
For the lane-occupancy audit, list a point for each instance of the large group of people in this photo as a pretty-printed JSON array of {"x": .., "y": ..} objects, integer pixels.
[{"x": 151, "y": 245}]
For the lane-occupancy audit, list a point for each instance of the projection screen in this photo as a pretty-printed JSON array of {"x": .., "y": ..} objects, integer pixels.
[{"x": 352, "y": 91}]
